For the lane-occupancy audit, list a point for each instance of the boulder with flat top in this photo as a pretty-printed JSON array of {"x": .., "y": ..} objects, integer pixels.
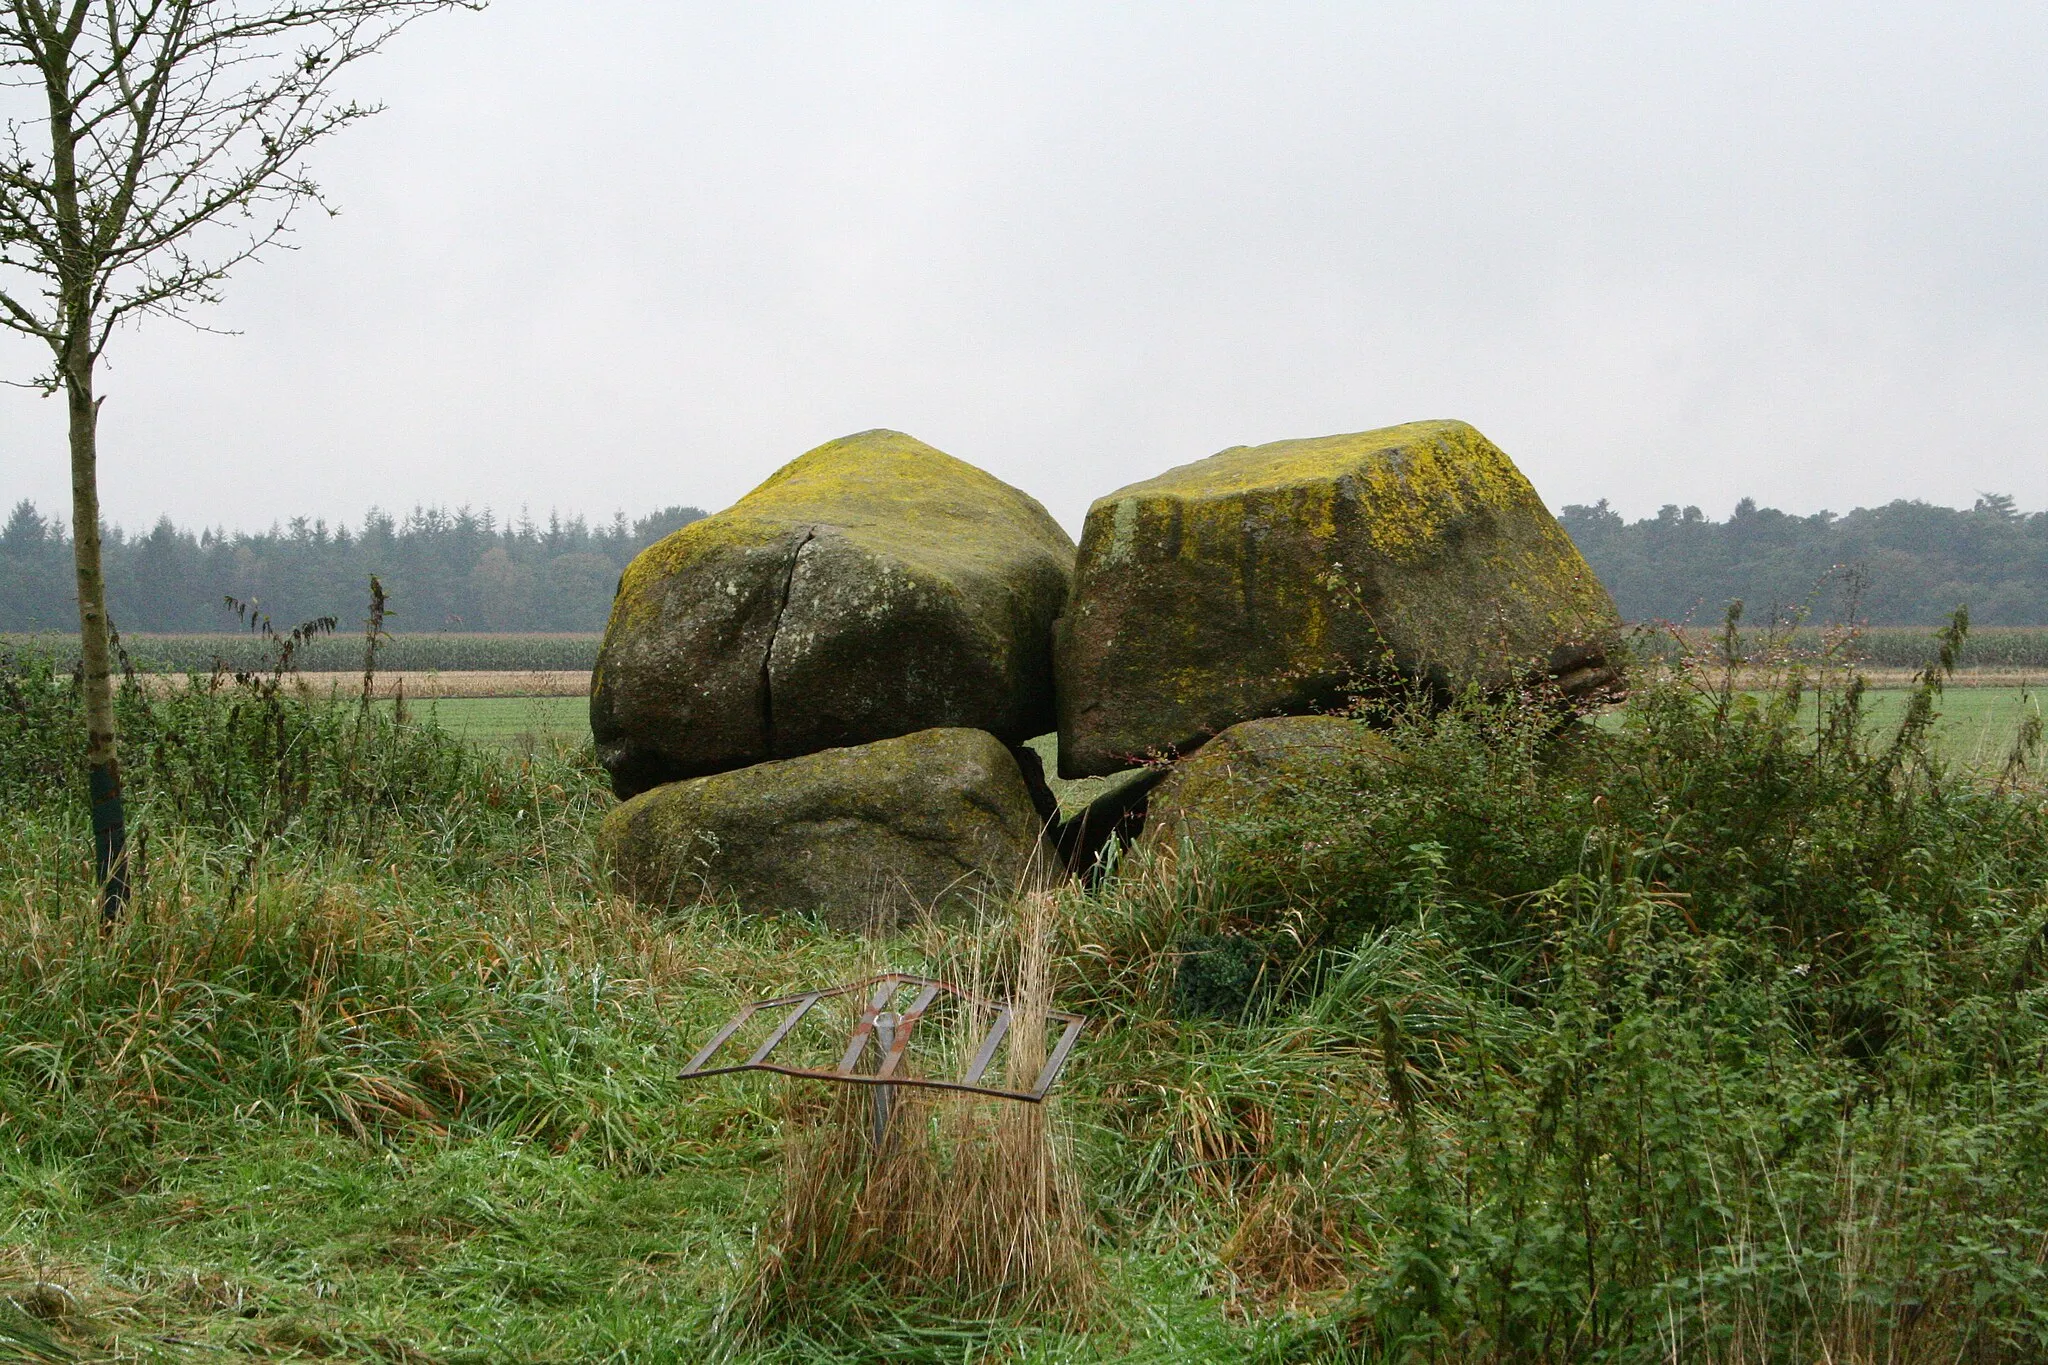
[{"x": 1281, "y": 579}]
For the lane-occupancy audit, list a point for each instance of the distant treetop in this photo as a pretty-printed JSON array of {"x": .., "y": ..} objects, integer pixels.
[
  {"x": 444, "y": 569},
  {"x": 1905, "y": 563}
]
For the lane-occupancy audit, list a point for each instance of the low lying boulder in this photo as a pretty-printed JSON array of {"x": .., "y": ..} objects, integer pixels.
[
  {"x": 864, "y": 836},
  {"x": 1252, "y": 766},
  {"x": 1278, "y": 579},
  {"x": 871, "y": 588}
]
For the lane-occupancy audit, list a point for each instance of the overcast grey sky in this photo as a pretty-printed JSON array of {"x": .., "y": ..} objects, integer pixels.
[{"x": 608, "y": 254}]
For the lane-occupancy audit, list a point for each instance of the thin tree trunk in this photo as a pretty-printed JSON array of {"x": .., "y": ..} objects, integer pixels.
[
  {"x": 102, "y": 756},
  {"x": 76, "y": 357}
]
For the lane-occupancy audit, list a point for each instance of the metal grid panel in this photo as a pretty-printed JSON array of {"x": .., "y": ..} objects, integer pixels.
[{"x": 882, "y": 989}]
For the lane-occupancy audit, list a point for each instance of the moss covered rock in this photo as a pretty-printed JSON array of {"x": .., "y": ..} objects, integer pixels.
[
  {"x": 869, "y": 588},
  {"x": 864, "y": 836},
  {"x": 1243, "y": 772},
  {"x": 1276, "y": 579}
]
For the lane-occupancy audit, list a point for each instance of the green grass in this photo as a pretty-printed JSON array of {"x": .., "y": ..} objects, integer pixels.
[
  {"x": 1976, "y": 726},
  {"x": 510, "y": 720},
  {"x": 1684, "y": 1041}
]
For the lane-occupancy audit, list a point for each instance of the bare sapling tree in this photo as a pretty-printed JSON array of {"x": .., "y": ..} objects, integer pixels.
[{"x": 147, "y": 148}]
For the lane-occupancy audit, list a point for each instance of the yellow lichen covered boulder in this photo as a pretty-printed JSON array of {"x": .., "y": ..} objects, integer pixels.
[
  {"x": 1276, "y": 579},
  {"x": 872, "y": 587},
  {"x": 1252, "y": 767},
  {"x": 863, "y": 836}
]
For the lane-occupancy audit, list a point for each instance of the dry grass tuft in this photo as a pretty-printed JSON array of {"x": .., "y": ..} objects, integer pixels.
[
  {"x": 1290, "y": 1251},
  {"x": 970, "y": 1199}
]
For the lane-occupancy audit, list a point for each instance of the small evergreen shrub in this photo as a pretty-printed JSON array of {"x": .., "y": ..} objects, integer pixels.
[{"x": 1220, "y": 976}]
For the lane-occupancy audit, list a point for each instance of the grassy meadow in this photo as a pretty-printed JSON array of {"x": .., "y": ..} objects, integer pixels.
[
  {"x": 1712, "y": 1032},
  {"x": 547, "y": 721}
]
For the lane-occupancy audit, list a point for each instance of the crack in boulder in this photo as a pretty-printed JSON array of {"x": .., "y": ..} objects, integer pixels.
[{"x": 768, "y": 654}]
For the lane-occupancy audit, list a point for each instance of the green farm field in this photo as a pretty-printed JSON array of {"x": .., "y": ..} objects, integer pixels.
[
  {"x": 509, "y": 720},
  {"x": 1978, "y": 724}
]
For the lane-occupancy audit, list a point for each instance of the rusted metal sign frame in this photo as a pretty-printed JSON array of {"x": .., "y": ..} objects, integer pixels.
[{"x": 883, "y": 989}]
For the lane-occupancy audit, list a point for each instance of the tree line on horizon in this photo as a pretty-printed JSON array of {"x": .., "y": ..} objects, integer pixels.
[
  {"x": 1905, "y": 563},
  {"x": 443, "y": 571}
]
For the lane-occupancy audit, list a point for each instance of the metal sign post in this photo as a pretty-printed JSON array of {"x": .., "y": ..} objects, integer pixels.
[{"x": 885, "y": 1038}]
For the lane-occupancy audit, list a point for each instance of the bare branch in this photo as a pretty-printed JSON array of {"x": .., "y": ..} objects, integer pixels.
[
  {"x": 177, "y": 132},
  {"x": 15, "y": 317}
]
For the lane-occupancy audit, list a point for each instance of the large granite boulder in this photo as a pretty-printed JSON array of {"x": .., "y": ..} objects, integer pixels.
[
  {"x": 872, "y": 587},
  {"x": 1278, "y": 579},
  {"x": 1252, "y": 767},
  {"x": 864, "y": 836}
]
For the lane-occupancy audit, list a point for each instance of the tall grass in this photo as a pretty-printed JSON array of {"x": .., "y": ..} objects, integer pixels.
[{"x": 1715, "y": 1032}]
